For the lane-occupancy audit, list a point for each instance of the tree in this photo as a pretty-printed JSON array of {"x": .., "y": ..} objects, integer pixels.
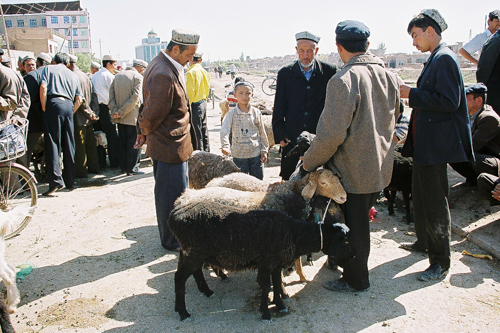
[{"x": 84, "y": 60}]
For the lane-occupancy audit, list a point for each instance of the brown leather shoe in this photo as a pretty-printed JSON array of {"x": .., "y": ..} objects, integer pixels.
[{"x": 413, "y": 247}]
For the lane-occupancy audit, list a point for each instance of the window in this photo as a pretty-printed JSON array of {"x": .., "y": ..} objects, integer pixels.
[
  {"x": 83, "y": 32},
  {"x": 44, "y": 22},
  {"x": 54, "y": 20},
  {"x": 66, "y": 19},
  {"x": 66, "y": 32},
  {"x": 20, "y": 23},
  {"x": 75, "y": 32},
  {"x": 84, "y": 44},
  {"x": 75, "y": 44},
  {"x": 8, "y": 23},
  {"x": 83, "y": 19},
  {"x": 73, "y": 19},
  {"x": 32, "y": 23}
]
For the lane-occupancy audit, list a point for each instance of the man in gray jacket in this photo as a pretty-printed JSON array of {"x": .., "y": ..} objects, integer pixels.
[
  {"x": 354, "y": 137},
  {"x": 125, "y": 99}
]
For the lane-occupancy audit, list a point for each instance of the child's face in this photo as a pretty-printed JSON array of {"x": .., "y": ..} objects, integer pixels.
[{"x": 243, "y": 94}]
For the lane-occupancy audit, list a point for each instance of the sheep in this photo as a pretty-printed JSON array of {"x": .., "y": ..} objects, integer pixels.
[
  {"x": 5, "y": 323},
  {"x": 237, "y": 239},
  {"x": 204, "y": 166},
  {"x": 400, "y": 181}
]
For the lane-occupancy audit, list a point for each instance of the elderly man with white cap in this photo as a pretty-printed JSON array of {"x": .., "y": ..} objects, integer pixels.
[
  {"x": 125, "y": 99},
  {"x": 165, "y": 124},
  {"x": 438, "y": 134},
  {"x": 300, "y": 96},
  {"x": 102, "y": 82},
  {"x": 94, "y": 67}
]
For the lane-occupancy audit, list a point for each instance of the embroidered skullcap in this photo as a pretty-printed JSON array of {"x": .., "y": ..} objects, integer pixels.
[
  {"x": 477, "y": 88},
  {"x": 72, "y": 58},
  {"x": 95, "y": 65},
  {"x": 45, "y": 57},
  {"x": 139, "y": 62},
  {"x": 185, "y": 37},
  {"x": 28, "y": 57},
  {"x": 307, "y": 35},
  {"x": 109, "y": 57},
  {"x": 434, "y": 15},
  {"x": 352, "y": 30},
  {"x": 494, "y": 14}
]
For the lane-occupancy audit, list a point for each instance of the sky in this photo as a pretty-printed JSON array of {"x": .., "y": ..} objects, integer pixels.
[{"x": 266, "y": 28}]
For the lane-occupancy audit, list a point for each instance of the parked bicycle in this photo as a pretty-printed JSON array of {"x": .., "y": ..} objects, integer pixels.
[
  {"x": 18, "y": 193},
  {"x": 269, "y": 85}
]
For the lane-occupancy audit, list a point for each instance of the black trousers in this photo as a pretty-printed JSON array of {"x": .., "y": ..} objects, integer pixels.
[
  {"x": 471, "y": 170},
  {"x": 104, "y": 124},
  {"x": 129, "y": 156},
  {"x": 431, "y": 212},
  {"x": 288, "y": 164},
  {"x": 59, "y": 138},
  {"x": 86, "y": 159},
  {"x": 199, "y": 117},
  {"x": 356, "y": 209}
]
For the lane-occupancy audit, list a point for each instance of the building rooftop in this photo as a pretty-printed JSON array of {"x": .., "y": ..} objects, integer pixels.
[{"x": 37, "y": 8}]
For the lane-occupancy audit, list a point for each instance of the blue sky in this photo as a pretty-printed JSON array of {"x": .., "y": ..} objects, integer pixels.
[{"x": 261, "y": 28}]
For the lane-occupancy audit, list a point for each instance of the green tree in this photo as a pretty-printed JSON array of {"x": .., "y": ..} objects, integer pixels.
[{"x": 84, "y": 60}]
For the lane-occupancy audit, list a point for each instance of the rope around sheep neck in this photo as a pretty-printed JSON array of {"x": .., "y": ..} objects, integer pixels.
[{"x": 323, "y": 222}]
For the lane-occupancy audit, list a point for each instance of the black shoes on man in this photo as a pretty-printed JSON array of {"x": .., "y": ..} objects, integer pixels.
[{"x": 434, "y": 272}]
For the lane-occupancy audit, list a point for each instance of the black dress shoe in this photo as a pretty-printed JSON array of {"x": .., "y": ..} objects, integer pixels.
[
  {"x": 52, "y": 190},
  {"x": 414, "y": 247},
  {"x": 434, "y": 272}
]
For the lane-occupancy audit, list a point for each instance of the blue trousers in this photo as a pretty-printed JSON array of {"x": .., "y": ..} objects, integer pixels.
[
  {"x": 170, "y": 182},
  {"x": 59, "y": 137},
  {"x": 252, "y": 166}
]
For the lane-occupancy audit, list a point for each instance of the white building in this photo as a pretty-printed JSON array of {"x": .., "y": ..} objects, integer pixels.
[
  {"x": 150, "y": 47},
  {"x": 66, "y": 18}
]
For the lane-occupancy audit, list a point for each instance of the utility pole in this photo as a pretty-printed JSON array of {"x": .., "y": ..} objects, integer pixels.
[{"x": 5, "y": 31}]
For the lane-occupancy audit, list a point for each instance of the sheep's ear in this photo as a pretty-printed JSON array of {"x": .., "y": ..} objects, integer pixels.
[{"x": 309, "y": 190}]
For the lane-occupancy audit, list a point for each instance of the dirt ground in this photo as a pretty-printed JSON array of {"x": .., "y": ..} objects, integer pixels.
[{"x": 99, "y": 267}]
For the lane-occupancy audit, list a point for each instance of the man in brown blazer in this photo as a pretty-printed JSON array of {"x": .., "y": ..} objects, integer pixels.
[
  {"x": 485, "y": 130},
  {"x": 164, "y": 124}
]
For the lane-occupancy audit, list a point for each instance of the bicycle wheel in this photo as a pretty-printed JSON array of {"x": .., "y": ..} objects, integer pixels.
[
  {"x": 18, "y": 197},
  {"x": 269, "y": 86}
]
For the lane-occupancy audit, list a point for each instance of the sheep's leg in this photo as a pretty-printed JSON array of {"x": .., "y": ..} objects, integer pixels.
[
  {"x": 9, "y": 278},
  {"x": 298, "y": 267},
  {"x": 263, "y": 277},
  {"x": 5, "y": 324},
  {"x": 390, "y": 203},
  {"x": 202, "y": 283},
  {"x": 310, "y": 260},
  {"x": 279, "y": 290},
  {"x": 184, "y": 270},
  {"x": 406, "y": 197}
]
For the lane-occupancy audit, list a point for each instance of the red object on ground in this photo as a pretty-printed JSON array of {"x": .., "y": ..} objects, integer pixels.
[{"x": 372, "y": 214}]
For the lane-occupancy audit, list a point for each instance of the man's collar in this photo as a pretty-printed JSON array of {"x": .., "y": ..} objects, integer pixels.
[{"x": 177, "y": 66}]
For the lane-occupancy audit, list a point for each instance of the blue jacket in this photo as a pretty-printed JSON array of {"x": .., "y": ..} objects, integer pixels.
[{"x": 442, "y": 134}]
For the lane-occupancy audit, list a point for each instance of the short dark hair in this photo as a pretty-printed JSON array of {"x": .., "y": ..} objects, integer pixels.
[
  {"x": 40, "y": 62},
  {"x": 423, "y": 21},
  {"x": 476, "y": 95},
  {"x": 182, "y": 47},
  {"x": 106, "y": 62},
  {"x": 238, "y": 79},
  {"x": 353, "y": 46},
  {"x": 61, "y": 58}
]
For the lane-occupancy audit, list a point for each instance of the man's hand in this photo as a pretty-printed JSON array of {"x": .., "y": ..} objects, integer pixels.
[
  {"x": 285, "y": 142},
  {"x": 94, "y": 117},
  {"x": 140, "y": 141},
  {"x": 404, "y": 90},
  {"x": 225, "y": 151},
  {"x": 496, "y": 192},
  {"x": 263, "y": 158},
  {"x": 116, "y": 115}
]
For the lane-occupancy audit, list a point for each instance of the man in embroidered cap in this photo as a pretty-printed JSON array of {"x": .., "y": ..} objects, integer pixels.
[
  {"x": 485, "y": 130},
  {"x": 198, "y": 87},
  {"x": 94, "y": 67},
  {"x": 29, "y": 64},
  {"x": 164, "y": 124},
  {"x": 488, "y": 70},
  {"x": 102, "y": 82},
  {"x": 300, "y": 97},
  {"x": 476, "y": 44},
  {"x": 354, "y": 138},
  {"x": 438, "y": 134},
  {"x": 125, "y": 99}
]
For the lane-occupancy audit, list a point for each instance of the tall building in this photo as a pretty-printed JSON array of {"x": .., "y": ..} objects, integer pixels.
[
  {"x": 66, "y": 18},
  {"x": 150, "y": 47}
]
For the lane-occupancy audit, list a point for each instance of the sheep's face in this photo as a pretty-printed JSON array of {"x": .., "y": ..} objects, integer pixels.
[
  {"x": 324, "y": 182},
  {"x": 319, "y": 204},
  {"x": 340, "y": 248}
]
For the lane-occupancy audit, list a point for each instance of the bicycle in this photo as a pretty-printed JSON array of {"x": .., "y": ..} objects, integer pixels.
[
  {"x": 18, "y": 192},
  {"x": 269, "y": 85}
]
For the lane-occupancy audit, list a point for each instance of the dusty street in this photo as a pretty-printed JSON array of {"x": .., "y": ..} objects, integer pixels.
[{"x": 99, "y": 267}]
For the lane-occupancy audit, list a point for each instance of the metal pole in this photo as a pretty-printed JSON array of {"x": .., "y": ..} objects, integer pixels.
[{"x": 5, "y": 30}]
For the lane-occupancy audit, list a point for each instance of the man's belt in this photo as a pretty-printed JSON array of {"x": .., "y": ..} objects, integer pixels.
[
  {"x": 59, "y": 97},
  {"x": 199, "y": 102}
]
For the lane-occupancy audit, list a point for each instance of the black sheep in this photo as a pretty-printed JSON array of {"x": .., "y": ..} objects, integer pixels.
[
  {"x": 401, "y": 181},
  {"x": 237, "y": 239}
]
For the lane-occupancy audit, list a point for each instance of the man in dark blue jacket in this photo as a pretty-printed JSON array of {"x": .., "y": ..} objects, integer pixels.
[
  {"x": 488, "y": 70},
  {"x": 438, "y": 134},
  {"x": 300, "y": 97}
]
